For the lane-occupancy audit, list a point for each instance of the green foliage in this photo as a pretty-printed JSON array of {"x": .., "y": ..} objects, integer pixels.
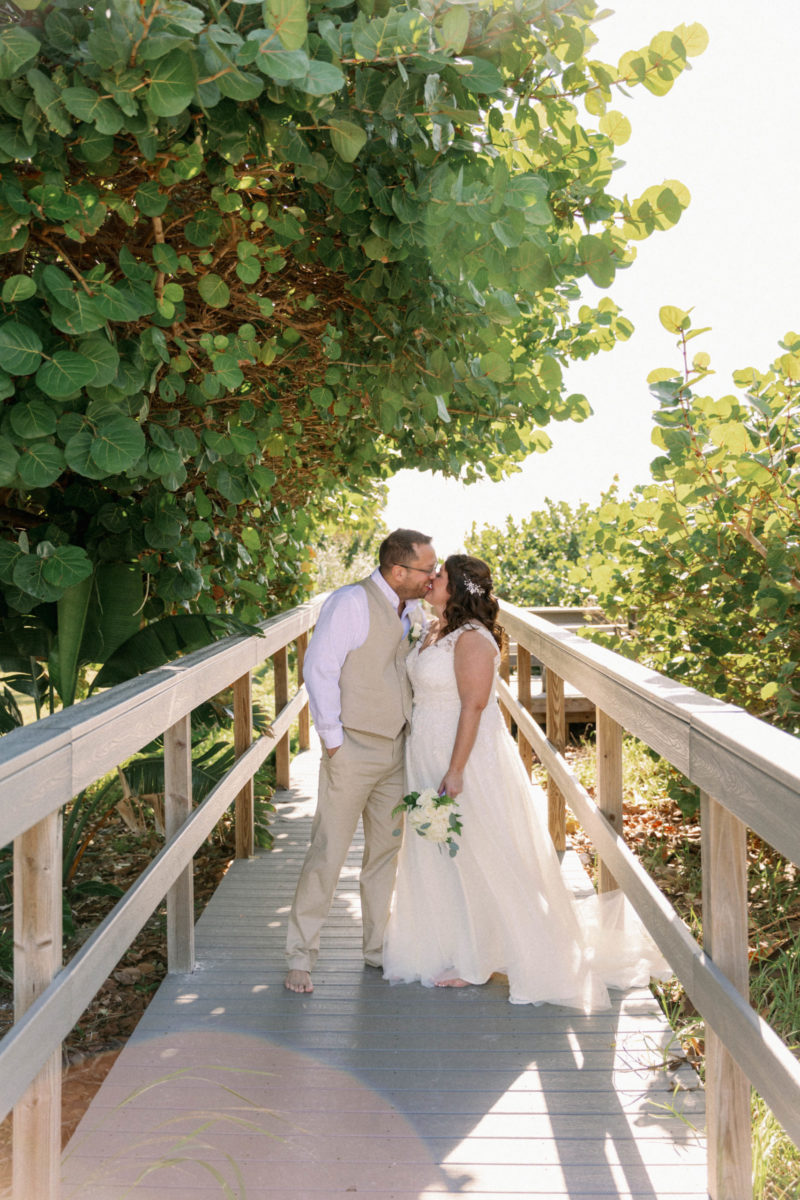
[
  {"x": 709, "y": 552},
  {"x": 251, "y": 252},
  {"x": 348, "y": 543},
  {"x": 532, "y": 561}
]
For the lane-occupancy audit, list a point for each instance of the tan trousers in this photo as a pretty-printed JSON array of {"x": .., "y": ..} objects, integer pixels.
[{"x": 364, "y": 778}]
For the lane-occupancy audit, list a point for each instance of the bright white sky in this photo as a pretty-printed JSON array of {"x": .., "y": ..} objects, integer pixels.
[{"x": 724, "y": 130}]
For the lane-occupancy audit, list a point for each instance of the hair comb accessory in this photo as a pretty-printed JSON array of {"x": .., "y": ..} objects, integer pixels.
[{"x": 472, "y": 587}]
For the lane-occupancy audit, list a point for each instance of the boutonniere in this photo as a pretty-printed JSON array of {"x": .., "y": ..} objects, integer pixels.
[{"x": 416, "y": 630}]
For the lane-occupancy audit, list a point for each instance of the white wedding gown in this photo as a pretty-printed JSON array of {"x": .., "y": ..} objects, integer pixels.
[{"x": 500, "y": 905}]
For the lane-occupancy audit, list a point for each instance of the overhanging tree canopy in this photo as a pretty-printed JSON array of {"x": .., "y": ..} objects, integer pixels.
[{"x": 252, "y": 250}]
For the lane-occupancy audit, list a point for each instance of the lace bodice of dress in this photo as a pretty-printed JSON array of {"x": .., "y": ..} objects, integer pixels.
[{"x": 433, "y": 679}]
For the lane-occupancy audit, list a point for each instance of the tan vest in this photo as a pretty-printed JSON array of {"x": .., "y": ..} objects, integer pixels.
[{"x": 376, "y": 694}]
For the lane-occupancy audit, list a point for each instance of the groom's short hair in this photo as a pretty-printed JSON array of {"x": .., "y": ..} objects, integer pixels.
[{"x": 401, "y": 546}]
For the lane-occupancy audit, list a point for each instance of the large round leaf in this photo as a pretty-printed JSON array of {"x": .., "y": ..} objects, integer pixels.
[
  {"x": 617, "y": 126},
  {"x": 172, "y": 84},
  {"x": 66, "y": 566},
  {"x": 35, "y": 419},
  {"x": 240, "y": 85},
  {"x": 322, "y": 79},
  {"x": 103, "y": 357},
  {"x": 151, "y": 200},
  {"x": 78, "y": 453},
  {"x": 17, "y": 47},
  {"x": 29, "y": 577},
  {"x": 348, "y": 138},
  {"x": 281, "y": 65},
  {"x": 65, "y": 374},
  {"x": 20, "y": 349},
  {"x": 164, "y": 531},
  {"x": 8, "y": 462},
  {"x": 17, "y": 288},
  {"x": 118, "y": 444},
  {"x": 214, "y": 290},
  {"x": 203, "y": 227},
  {"x": 596, "y": 258},
  {"x": 180, "y": 583},
  {"x": 164, "y": 462},
  {"x": 40, "y": 464},
  {"x": 96, "y": 110},
  {"x": 455, "y": 28},
  {"x": 479, "y": 76},
  {"x": 289, "y": 18}
]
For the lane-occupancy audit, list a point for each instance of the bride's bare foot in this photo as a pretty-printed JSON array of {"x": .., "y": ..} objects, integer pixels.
[
  {"x": 298, "y": 981},
  {"x": 452, "y": 983}
]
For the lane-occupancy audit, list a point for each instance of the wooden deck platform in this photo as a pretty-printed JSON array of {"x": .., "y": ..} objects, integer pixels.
[{"x": 232, "y": 1087}]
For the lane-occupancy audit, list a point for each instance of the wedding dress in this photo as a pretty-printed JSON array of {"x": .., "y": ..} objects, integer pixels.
[{"x": 500, "y": 905}]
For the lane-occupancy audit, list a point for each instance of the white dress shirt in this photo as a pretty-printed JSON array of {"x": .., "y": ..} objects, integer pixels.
[{"x": 342, "y": 626}]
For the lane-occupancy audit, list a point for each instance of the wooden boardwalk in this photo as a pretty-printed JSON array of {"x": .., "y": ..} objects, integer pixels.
[{"x": 232, "y": 1087}]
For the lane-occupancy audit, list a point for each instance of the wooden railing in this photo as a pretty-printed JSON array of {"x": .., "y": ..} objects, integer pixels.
[
  {"x": 42, "y": 767},
  {"x": 749, "y": 776}
]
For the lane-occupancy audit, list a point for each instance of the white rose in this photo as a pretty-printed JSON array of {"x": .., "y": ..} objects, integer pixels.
[{"x": 416, "y": 817}]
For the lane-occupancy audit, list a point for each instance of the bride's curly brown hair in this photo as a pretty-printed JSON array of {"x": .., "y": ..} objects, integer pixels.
[{"x": 470, "y": 595}]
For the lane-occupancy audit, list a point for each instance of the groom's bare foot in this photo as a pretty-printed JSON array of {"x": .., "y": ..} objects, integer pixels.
[
  {"x": 452, "y": 983},
  {"x": 298, "y": 981}
]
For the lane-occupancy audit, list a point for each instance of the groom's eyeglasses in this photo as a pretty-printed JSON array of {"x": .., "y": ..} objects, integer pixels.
[{"x": 423, "y": 570}]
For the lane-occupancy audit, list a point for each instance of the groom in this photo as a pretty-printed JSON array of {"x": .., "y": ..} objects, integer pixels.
[{"x": 360, "y": 700}]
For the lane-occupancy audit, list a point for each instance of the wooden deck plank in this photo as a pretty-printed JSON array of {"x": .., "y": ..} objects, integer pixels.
[{"x": 389, "y": 1091}]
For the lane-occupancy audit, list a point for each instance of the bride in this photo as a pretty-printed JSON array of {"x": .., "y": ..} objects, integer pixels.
[{"x": 500, "y": 904}]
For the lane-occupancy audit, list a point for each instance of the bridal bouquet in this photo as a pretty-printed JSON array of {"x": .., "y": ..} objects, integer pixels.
[{"x": 434, "y": 817}]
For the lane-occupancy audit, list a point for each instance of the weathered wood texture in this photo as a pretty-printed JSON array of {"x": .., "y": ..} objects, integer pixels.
[
  {"x": 505, "y": 673},
  {"x": 768, "y": 1063},
  {"x": 177, "y": 808},
  {"x": 609, "y": 785},
  {"x": 524, "y": 697},
  {"x": 557, "y": 736},
  {"x": 750, "y": 767},
  {"x": 393, "y": 1092},
  {"x": 25, "y": 1049},
  {"x": 50, "y": 762},
  {"x": 37, "y": 958},
  {"x": 280, "y": 665},
  {"x": 304, "y": 719},
  {"x": 724, "y": 848},
  {"x": 752, "y": 770},
  {"x": 244, "y": 811}
]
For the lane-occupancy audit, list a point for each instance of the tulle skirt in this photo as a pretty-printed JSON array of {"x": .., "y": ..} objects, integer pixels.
[{"x": 501, "y": 904}]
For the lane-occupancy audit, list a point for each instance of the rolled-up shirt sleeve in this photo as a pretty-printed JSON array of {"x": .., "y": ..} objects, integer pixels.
[{"x": 342, "y": 626}]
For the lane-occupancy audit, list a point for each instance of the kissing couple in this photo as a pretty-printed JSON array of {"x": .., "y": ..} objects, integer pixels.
[{"x": 396, "y": 715}]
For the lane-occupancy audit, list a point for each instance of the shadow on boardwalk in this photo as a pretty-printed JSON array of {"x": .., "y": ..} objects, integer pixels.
[{"x": 233, "y": 1087}]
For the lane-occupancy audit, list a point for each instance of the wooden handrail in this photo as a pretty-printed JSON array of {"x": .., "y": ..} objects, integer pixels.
[
  {"x": 748, "y": 771},
  {"x": 53, "y": 760},
  {"x": 753, "y": 773},
  {"x": 50, "y": 762},
  {"x": 748, "y": 766}
]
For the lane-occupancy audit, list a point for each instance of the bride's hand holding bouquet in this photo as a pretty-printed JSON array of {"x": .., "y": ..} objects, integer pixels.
[{"x": 434, "y": 816}]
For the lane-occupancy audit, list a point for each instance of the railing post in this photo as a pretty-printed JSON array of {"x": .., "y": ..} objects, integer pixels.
[
  {"x": 724, "y": 856},
  {"x": 524, "y": 697},
  {"x": 177, "y": 807},
  {"x": 244, "y": 809},
  {"x": 609, "y": 784},
  {"x": 304, "y": 720},
  {"x": 504, "y": 671},
  {"x": 280, "y": 663},
  {"x": 557, "y": 735},
  {"x": 37, "y": 960}
]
